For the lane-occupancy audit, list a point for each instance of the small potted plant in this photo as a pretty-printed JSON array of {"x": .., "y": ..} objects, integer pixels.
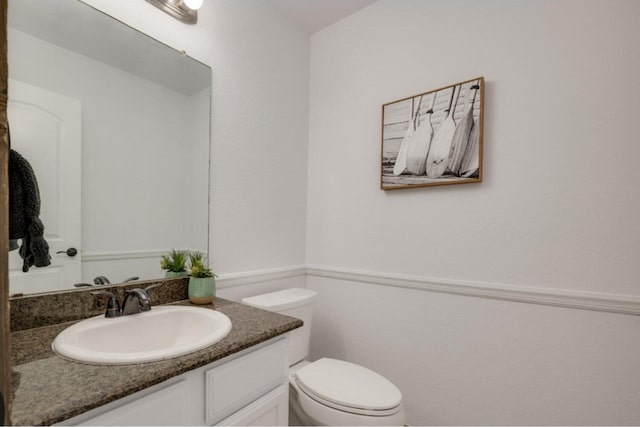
[
  {"x": 175, "y": 263},
  {"x": 202, "y": 283}
]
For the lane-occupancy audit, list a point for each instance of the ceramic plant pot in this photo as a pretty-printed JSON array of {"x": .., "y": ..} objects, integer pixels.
[
  {"x": 175, "y": 274},
  {"x": 202, "y": 289}
]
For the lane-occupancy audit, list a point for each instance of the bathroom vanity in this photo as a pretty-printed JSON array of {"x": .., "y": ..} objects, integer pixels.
[
  {"x": 241, "y": 380},
  {"x": 249, "y": 388}
]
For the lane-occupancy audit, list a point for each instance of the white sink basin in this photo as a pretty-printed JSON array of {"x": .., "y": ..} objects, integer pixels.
[{"x": 162, "y": 333}]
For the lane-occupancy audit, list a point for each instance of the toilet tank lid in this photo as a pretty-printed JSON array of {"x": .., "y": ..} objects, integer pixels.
[{"x": 281, "y": 300}]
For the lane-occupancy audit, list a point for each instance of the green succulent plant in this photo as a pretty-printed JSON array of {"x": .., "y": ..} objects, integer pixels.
[
  {"x": 199, "y": 265},
  {"x": 175, "y": 261}
]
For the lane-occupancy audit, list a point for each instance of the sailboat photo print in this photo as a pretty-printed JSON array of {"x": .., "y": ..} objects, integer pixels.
[{"x": 434, "y": 138}]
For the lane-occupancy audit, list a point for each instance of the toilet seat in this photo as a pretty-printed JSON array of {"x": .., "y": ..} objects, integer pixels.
[{"x": 349, "y": 388}]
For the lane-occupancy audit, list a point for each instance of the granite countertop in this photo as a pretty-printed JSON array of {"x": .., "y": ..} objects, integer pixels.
[{"x": 49, "y": 389}]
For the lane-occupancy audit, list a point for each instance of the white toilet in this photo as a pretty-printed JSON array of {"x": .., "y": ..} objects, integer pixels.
[{"x": 329, "y": 391}]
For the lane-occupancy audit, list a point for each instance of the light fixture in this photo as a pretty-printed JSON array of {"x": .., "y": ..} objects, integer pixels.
[
  {"x": 193, "y": 4},
  {"x": 183, "y": 10}
]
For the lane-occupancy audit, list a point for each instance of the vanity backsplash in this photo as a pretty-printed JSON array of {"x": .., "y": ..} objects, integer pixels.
[{"x": 34, "y": 311}]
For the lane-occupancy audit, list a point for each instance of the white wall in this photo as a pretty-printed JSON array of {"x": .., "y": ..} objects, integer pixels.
[
  {"x": 556, "y": 212},
  {"x": 260, "y": 67},
  {"x": 474, "y": 361},
  {"x": 557, "y": 207}
]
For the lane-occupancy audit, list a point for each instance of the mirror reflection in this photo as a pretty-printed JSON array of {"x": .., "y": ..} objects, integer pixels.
[{"x": 116, "y": 127}]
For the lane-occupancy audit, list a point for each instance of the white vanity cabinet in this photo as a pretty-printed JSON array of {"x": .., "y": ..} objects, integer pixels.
[{"x": 247, "y": 388}]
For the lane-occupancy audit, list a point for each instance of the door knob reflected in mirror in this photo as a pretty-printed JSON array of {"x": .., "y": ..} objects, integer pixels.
[{"x": 70, "y": 252}]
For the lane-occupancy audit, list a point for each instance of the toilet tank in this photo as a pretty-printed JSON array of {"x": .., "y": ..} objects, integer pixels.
[{"x": 295, "y": 302}]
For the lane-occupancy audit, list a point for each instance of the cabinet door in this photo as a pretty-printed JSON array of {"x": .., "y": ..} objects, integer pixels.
[
  {"x": 168, "y": 406},
  {"x": 235, "y": 384},
  {"x": 271, "y": 409}
]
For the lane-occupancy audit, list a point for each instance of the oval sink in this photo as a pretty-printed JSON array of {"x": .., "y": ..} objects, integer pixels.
[{"x": 162, "y": 333}]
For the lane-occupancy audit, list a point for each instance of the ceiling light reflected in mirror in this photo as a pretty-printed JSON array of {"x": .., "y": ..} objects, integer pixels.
[{"x": 183, "y": 10}]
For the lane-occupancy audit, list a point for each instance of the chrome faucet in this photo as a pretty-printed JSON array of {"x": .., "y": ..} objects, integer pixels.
[
  {"x": 135, "y": 301},
  {"x": 113, "y": 305}
]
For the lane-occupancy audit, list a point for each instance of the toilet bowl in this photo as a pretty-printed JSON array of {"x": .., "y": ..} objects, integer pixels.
[{"x": 329, "y": 391}]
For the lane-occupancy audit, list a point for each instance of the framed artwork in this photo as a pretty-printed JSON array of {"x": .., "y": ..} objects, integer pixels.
[{"x": 433, "y": 138}]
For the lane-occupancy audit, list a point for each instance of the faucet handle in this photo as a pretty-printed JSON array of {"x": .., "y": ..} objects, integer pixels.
[
  {"x": 101, "y": 280},
  {"x": 150, "y": 287},
  {"x": 156, "y": 285},
  {"x": 83, "y": 285},
  {"x": 113, "y": 304}
]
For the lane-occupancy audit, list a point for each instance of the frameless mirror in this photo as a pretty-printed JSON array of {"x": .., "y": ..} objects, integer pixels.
[{"x": 116, "y": 127}]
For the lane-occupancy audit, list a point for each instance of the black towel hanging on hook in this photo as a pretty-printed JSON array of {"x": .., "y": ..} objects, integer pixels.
[{"x": 24, "y": 213}]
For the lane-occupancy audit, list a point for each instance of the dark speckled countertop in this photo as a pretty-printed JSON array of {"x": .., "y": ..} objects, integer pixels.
[{"x": 49, "y": 389}]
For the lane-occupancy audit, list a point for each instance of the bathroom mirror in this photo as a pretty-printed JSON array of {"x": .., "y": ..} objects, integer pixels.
[{"x": 116, "y": 126}]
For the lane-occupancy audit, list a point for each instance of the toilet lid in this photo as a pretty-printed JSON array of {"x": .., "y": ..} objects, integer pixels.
[{"x": 347, "y": 385}]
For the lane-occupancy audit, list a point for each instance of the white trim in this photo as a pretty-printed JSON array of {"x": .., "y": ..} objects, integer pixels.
[
  {"x": 614, "y": 303},
  {"x": 121, "y": 255},
  {"x": 251, "y": 277}
]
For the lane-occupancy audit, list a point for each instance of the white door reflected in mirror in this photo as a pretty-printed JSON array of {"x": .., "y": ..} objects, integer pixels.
[{"x": 46, "y": 131}]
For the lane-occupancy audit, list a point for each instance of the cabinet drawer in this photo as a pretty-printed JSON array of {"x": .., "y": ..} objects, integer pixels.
[{"x": 230, "y": 386}]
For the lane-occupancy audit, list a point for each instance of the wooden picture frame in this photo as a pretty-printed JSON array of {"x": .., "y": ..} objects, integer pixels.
[{"x": 433, "y": 138}]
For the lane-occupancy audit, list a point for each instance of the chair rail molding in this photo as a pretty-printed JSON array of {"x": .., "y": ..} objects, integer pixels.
[
  {"x": 606, "y": 302},
  {"x": 250, "y": 277},
  {"x": 122, "y": 255},
  {"x": 613, "y": 303}
]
